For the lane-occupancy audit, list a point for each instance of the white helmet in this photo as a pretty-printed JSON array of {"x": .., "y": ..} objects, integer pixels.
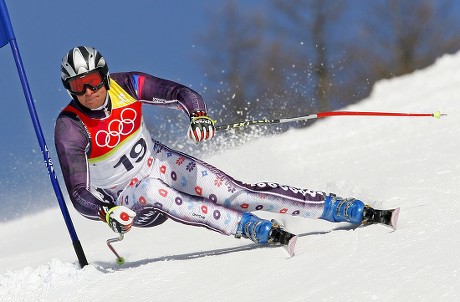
[{"x": 82, "y": 60}]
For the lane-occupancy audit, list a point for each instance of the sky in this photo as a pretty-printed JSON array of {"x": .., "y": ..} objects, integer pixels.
[
  {"x": 157, "y": 37},
  {"x": 406, "y": 162}
]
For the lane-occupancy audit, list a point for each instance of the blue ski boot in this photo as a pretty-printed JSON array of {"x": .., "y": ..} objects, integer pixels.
[
  {"x": 337, "y": 209},
  {"x": 254, "y": 228}
]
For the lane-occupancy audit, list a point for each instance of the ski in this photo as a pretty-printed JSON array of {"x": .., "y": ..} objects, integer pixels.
[
  {"x": 385, "y": 217},
  {"x": 291, "y": 245},
  {"x": 279, "y": 235}
]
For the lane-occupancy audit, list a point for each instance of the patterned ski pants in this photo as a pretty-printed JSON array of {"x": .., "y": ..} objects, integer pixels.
[{"x": 193, "y": 192}]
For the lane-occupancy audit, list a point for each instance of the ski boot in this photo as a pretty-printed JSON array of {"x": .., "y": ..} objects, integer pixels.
[
  {"x": 352, "y": 210},
  {"x": 337, "y": 209},
  {"x": 262, "y": 231},
  {"x": 254, "y": 228}
]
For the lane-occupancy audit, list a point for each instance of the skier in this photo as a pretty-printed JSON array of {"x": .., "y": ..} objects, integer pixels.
[{"x": 115, "y": 172}]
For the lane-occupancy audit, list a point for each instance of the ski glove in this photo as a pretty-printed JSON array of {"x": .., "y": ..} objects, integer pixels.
[
  {"x": 119, "y": 218},
  {"x": 201, "y": 127}
]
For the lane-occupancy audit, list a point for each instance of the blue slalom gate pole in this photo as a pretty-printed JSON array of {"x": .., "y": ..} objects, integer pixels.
[{"x": 7, "y": 36}]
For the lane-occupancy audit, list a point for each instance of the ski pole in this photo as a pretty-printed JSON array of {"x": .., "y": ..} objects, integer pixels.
[
  {"x": 323, "y": 115},
  {"x": 120, "y": 260}
]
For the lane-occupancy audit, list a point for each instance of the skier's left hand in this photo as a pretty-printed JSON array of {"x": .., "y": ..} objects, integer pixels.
[{"x": 201, "y": 127}]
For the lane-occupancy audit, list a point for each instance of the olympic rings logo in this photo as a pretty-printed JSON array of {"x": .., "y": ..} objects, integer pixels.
[{"x": 116, "y": 129}]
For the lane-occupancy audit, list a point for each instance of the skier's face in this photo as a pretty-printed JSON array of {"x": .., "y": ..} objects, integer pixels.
[{"x": 93, "y": 99}]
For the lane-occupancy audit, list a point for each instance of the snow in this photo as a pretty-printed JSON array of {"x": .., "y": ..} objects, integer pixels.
[{"x": 410, "y": 162}]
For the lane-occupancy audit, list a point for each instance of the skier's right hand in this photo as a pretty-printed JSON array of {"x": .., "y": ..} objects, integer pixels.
[{"x": 119, "y": 218}]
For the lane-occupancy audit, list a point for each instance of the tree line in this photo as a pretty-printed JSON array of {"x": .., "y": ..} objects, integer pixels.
[
  {"x": 295, "y": 57},
  {"x": 302, "y": 56}
]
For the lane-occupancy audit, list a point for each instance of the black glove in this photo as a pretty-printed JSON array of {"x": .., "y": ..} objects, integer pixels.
[
  {"x": 201, "y": 127},
  {"x": 119, "y": 218}
]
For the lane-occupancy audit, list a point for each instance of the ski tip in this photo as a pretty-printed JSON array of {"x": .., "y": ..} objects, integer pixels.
[
  {"x": 291, "y": 246},
  {"x": 394, "y": 218}
]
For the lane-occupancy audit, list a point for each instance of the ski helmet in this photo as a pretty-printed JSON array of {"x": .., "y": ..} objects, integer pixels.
[{"x": 80, "y": 61}]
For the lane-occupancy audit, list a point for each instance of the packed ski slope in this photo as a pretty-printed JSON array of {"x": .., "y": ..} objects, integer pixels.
[{"x": 408, "y": 162}]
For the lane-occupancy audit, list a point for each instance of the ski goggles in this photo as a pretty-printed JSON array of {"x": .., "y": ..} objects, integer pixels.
[{"x": 92, "y": 80}]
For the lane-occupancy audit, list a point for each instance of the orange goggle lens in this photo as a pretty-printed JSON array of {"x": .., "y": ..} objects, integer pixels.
[{"x": 92, "y": 80}]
